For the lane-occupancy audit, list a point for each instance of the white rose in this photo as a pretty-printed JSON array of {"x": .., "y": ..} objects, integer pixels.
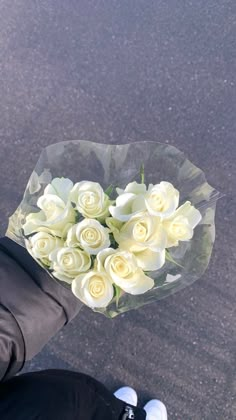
[
  {"x": 134, "y": 188},
  {"x": 93, "y": 288},
  {"x": 123, "y": 269},
  {"x": 129, "y": 202},
  {"x": 89, "y": 235},
  {"x": 180, "y": 226},
  {"x": 144, "y": 236},
  {"x": 60, "y": 187},
  {"x": 67, "y": 263},
  {"x": 55, "y": 217},
  {"x": 90, "y": 200},
  {"x": 162, "y": 199},
  {"x": 42, "y": 244}
]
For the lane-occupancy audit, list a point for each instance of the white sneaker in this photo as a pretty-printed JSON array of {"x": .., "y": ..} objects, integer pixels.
[
  {"x": 155, "y": 410},
  {"x": 127, "y": 394}
]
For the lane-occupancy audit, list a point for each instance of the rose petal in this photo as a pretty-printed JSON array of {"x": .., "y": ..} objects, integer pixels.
[
  {"x": 60, "y": 187},
  {"x": 150, "y": 260},
  {"x": 190, "y": 212},
  {"x": 101, "y": 257},
  {"x": 139, "y": 284}
]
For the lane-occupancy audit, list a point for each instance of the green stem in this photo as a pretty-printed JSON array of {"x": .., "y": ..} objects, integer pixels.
[
  {"x": 169, "y": 258},
  {"x": 142, "y": 176},
  {"x": 117, "y": 294}
]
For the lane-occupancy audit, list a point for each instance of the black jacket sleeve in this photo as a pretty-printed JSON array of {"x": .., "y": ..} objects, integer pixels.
[{"x": 33, "y": 307}]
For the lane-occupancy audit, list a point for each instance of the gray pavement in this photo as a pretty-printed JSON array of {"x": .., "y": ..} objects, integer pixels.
[{"x": 113, "y": 71}]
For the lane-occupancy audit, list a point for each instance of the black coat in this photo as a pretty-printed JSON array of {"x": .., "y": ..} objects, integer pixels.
[{"x": 33, "y": 307}]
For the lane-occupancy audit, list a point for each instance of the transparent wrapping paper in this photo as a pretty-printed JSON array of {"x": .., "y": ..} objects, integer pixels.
[{"x": 118, "y": 165}]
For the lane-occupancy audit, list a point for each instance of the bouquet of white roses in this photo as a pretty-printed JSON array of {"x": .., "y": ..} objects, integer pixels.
[{"x": 107, "y": 243}]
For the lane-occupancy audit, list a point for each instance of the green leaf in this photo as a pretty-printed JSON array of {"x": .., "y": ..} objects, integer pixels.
[
  {"x": 93, "y": 258},
  {"x": 171, "y": 259},
  {"x": 78, "y": 217},
  {"x": 109, "y": 190},
  {"x": 117, "y": 294},
  {"x": 114, "y": 244},
  {"x": 142, "y": 175}
]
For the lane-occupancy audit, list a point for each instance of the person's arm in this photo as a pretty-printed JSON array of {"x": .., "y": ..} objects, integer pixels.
[{"x": 33, "y": 307}]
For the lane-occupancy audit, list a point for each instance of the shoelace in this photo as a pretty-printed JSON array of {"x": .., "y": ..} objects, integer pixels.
[{"x": 128, "y": 414}]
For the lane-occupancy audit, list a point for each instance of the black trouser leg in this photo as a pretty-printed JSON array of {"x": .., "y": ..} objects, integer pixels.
[{"x": 60, "y": 395}]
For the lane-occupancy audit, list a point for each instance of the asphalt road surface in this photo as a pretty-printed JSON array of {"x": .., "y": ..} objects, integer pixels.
[{"x": 124, "y": 71}]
